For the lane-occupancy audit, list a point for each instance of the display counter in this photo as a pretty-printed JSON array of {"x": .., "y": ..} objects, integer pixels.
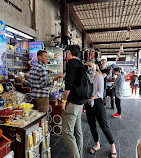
[{"x": 31, "y": 139}]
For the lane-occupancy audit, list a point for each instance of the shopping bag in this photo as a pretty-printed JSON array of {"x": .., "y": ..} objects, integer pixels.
[
  {"x": 139, "y": 149},
  {"x": 136, "y": 82}
]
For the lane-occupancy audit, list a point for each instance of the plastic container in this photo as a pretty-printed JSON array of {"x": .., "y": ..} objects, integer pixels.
[{"x": 1, "y": 102}]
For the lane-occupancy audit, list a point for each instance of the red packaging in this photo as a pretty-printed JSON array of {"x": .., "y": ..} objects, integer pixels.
[{"x": 5, "y": 145}]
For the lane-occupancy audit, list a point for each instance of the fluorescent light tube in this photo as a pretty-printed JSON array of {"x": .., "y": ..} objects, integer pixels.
[
  {"x": 9, "y": 35},
  {"x": 18, "y": 33}
]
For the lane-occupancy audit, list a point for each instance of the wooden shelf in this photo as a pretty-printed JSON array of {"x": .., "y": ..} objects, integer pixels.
[
  {"x": 54, "y": 64},
  {"x": 17, "y": 68},
  {"x": 18, "y": 60},
  {"x": 16, "y": 55}
]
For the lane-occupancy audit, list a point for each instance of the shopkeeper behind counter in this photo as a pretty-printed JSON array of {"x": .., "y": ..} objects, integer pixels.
[{"x": 40, "y": 82}]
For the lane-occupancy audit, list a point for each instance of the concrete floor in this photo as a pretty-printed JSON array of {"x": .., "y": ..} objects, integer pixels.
[{"x": 126, "y": 131}]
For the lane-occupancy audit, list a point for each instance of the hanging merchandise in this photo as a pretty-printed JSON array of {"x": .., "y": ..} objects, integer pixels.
[
  {"x": 99, "y": 54},
  {"x": 3, "y": 56},
  {"x": 92, "y": 55},
  {"x": 33, "y": 49}
]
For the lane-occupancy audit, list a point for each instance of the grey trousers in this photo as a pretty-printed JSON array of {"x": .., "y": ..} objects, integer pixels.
[{"x": 72, "y": 130}]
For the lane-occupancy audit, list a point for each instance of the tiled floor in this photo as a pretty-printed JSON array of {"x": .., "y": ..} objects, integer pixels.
[{"x": 126, "y": 131}]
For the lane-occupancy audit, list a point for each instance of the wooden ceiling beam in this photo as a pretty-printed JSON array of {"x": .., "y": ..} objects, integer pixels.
[
  {"x": 118, "y": 51},
  {"x": 121, "y": 52},
  {"x": 116, "y": 54},
  {"x": 117, "y": 42},
  {"x": 133, "y": 47},
  {"x": 80, "y": 2},
  {"x": 112, "y": 29},
  {"x": 76, "y": 21},
  {"x": 119, "y": 48}
]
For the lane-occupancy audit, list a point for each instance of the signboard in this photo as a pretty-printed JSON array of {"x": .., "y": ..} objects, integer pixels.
[
  {"x": 3, "y": 56},
  {"x": 33, "y": 49}
]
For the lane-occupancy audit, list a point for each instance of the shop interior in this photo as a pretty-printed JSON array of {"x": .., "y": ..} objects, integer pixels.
[{"x": 25, "y": 132}]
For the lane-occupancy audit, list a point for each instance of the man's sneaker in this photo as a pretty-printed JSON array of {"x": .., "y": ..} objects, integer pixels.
[{"x": 116, "y": 115}]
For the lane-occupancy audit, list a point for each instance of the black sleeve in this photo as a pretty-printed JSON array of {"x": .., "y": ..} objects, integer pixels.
[
  {"x": 70, "y": 76},
  {"x": 139, "y": 77}
]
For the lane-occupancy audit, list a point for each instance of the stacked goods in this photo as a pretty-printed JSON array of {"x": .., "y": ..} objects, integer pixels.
[
  {"x": 20, "y": 98},
  {"x": 8, "y": 95},
  {"x": 18, "y": 112},
  {"x": 12, "y": 97},
  {"x": 6, "y": 112},
  {"x": 5, "y": 145},
  {"x": 27, "y": 107},
  {"x": 6, "y": 115}
]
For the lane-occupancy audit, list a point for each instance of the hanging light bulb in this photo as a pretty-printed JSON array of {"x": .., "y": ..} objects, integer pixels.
[
  {"x": 117, "y": 58},
  {"x": 121, "y": 47},
  {"x": 118, "y": 54},
  {"x": 128, "y": 33}
]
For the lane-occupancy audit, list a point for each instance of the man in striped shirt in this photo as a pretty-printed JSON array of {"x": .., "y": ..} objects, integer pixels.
[{"x": 39, "y": 82}]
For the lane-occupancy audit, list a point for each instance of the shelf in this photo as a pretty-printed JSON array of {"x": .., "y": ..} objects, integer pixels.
[
  {"x": 54, "y": 64},
  {"x": 14, "y": 52},
  {"x": 20, "y": 53},
  {"x": 17, "y": 68},
  {"x": 53, "y": 59},
  {"x": 17, "y": 55},
  {"x": 18, "y": 60}
]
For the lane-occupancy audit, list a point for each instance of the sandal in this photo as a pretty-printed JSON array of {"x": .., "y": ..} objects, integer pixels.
[
  {"x": 93, "y": 151},
  {"x": 113, "y": 155}
]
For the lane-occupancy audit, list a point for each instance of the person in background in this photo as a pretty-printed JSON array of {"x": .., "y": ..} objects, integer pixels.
[
  {"x": 118, "y": 85},
  {"x": 72, "y": 105},
  {"x": 109, "y": 87},
  {"x": 139, "y": 86},
  {"x": 97, "y": 111},
  {"x": 39, "y": 83},
  {"x": 104, "y": 72},
  {"x": 133, "y": 86}
]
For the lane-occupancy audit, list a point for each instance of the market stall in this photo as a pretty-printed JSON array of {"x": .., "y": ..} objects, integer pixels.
[{"x": 25, "y": 127}]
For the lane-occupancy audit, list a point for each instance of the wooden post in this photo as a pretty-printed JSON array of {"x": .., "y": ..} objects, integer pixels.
[
  {"x": 138, "y": 60},
  {"x": 64, "y": 12},
  {"x": 83, "y": 40},
  {"x": 34, "y": 16}
]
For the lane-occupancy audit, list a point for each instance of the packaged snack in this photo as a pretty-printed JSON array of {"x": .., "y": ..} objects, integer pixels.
[
  {"x": 40, "y": 133},
  {"x": 43, "y": 129},
  {"x": 48, "y": 153},
  {"x": 46, "y": 127},
  {"x": 38, "y": 136},
  {"x": 48, "y": 140},
  {"x": 34, "y": 137},
  {"x": 43, "y": 144},
  {"x": 30, "y": 141},
  {"x": 30, "y": 154}
]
